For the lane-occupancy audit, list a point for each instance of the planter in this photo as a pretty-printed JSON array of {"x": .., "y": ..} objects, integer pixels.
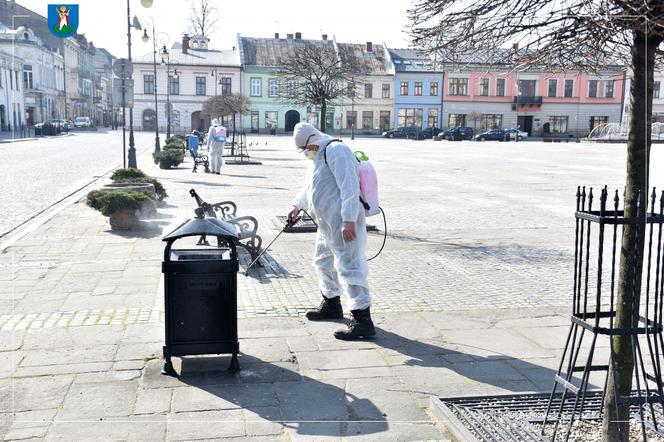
[
  {"x": 145, "y": 188},
  {"x": 125, "y": 219},
  {"x": 164, "y": 164}
]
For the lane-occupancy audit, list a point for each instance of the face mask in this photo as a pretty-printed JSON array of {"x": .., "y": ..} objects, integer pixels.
[{"x": 309, "y": 154}]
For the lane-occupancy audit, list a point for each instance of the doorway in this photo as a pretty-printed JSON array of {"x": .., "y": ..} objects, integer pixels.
[
  {"x": 197, "y": 123},
  {"x": 525, "y": 123},
  {"x": 149, "y": 120},
  {"x": 292, "y": 118}
]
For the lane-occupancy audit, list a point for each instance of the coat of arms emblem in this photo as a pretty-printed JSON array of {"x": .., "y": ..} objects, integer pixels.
[{"x": 63, "y": 20}]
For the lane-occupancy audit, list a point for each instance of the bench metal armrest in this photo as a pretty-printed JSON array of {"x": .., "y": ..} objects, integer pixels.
[{"x": 227, "y": 209}]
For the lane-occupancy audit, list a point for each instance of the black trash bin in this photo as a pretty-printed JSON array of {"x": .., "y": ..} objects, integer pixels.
[{"x": 200, "y": 293}]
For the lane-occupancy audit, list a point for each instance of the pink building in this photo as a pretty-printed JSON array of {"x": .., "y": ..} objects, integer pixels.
[{"x": 485, "y": 97}]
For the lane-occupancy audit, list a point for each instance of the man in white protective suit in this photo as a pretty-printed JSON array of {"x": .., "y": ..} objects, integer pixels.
[
  {"x": 216, "y": 140},
  {"x": 331, "y": 195}
]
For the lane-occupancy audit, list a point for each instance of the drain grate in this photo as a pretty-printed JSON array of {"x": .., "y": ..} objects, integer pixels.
[{"x": 511, "y": 417}]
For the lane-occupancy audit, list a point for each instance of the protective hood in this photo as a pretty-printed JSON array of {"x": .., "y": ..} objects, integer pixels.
[
  {"x": 306, "y": 133},
  {"x": 215, "y": 122}
]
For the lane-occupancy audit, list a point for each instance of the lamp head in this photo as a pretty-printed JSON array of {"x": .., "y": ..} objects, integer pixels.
[
  {"x": 136, "y": 24},
  {"x": 147, "y": 3},
  {"x": 145, "y": 36}
]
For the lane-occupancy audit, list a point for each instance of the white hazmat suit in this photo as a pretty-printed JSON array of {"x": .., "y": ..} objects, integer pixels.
[
  {"x": 331, "y": 196},
  {"x": 216, "y": 148}
]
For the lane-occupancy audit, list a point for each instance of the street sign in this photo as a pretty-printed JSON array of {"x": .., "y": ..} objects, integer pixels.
[
  {"x": 123, "y": 68},
  {"x": 117, "y": 92}
]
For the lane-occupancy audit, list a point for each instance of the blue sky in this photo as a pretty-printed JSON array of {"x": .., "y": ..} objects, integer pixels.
[{"x": 352, "y": 21}]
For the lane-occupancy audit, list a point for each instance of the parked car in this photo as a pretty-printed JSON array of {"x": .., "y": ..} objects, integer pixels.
[
  {"x": 512, "y": 134},
  {"x": 429, "y": 133},
  {"x": 64, "y": 125},
  {"x": 401, "y": 132},
  {"x": 456, "y": 134},
  {"x": 47, "y": 128},
  {"x": 82, "y": 122},
  {"x": 493, "y": 134}
]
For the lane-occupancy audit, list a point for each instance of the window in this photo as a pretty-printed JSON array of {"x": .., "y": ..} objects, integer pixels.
[
  {"x": 11, "y": 80},
  {"x": 410, "y": 118},
  {"x": 433, "y": 118},
  {"x": 384, "y": 121},
  {"x": 592, "y": 88},
  {"x": 418, "y": 88},
  {"x": 256, "y": 87},
  {"x": 368, "y": 90},
  {"x": 200, "y": 85},
  {"x": 148, "y": 84},
  {"x": 312, "y": 118},
  {"x": 455, "y": 120},
  {"x": 254, "y": 121},
  {"x": 27, "y": 77},
  {"x": 271, "y": 120},
  {"x": 386, "y": 90},
  {"x": 351, "y": 119},
  {"x": 569, "y": 89},
  {"x": 491, "y": 121},
  {"x": 553, "y": 88},
  {"x": 500, "y": 87},
  {"x": 597, "y": 121},
  {"x": 655, "y": 89},
  {"x": 484, "y": 87},
  {"x": 292, "y": 88},
  {"x": 367, "y": 120},
  {"x": 329, "y": 121},
  {"x": 226, "y": 85},
  {"x": 404, "y": 88},
  {"x": 273, "y": 87},
  {"x": 433, "y": 88},
  {"x": 527, "y": 88},
  {"x": 458, "y": 86},
  {"x": 18, "y": 86},
  {"x": 558, "y": 124},
  {"x": 174, "y": 85},
  {"x": 609, "y": 88}
]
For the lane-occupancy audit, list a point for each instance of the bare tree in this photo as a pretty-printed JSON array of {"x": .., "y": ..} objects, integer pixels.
[
  {"x": 474, "y": 117},
  {"x": 203, "y": 17},
  {"x": 315, "y": 76},
  {"x": 227, "y": 105},
  {"x": 584, "y": 35}
]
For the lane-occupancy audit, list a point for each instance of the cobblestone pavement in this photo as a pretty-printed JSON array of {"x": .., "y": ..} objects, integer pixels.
[
  {"x": 482, "y": 224},
  {"x": 37, "y": 173},
  {"x": 471, "y": 294}
]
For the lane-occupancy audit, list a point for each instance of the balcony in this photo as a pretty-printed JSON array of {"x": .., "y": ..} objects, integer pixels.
[{"x": 533, "y": 99}]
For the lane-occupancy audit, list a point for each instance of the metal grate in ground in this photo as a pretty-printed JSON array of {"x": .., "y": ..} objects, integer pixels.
[
  {"x": 511, "y": 417},
  {"x": 306, "y": 224}
]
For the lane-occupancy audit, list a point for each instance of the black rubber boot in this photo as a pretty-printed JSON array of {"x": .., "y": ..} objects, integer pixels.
[
  {"x": 360, "y": 327},
  {"x": 329, "y": 308}
]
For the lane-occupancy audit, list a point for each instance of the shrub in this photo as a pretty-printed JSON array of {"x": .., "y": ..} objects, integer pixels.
[
  {"x": 158, "y": 187},
  {"x": 111, "y": 201},
  {"x": 121, "y": 174},
  {"x": 168, "y": 158},
  {"x": 173, "y": 146},
  {"x": 175, "y": 139}
]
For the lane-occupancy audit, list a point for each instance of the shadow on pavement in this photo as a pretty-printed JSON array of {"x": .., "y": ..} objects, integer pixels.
[
  {"x": 308, "y": 406},
  {"x": 503, "y": 371}
]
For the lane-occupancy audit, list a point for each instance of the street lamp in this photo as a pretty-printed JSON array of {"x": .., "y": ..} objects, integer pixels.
[
  {"x": 165, "y": 59},
  {"x": 131, "y": 156},
  {"x": 145, "y": 39}
]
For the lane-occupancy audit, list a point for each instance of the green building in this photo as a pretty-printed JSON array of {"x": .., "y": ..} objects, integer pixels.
[{"x": 269, "y": 113}]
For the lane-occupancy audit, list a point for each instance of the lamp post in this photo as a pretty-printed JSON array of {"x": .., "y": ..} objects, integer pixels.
[
  {"x": 15, "y": 113},
  {"x": 145, "y": 39},
  {"x": 166, "y": 60}
]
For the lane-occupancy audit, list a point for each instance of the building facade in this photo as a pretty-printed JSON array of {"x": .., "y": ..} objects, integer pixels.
[
  {"x": 487, "y": 96},
  {"x": 195, "y": 73},
  {"x": 370, "y": 109},
  {"x": 418, "y": 95},
  {"x": 270, "y": 112}
]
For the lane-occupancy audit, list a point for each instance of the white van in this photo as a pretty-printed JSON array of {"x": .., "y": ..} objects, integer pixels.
[{"x": 82, "y": 122}]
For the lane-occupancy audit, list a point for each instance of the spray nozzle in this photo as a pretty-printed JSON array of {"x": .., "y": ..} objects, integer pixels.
[{"x": 361, "y": 156}]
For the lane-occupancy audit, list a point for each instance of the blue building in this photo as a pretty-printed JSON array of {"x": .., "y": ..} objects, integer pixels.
[{"x": 418, "y": 90}]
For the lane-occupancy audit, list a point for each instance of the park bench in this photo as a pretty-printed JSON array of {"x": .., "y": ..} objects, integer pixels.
[
  {"x": 247, "y": 226},
  {"x": 192, "y": 143}
]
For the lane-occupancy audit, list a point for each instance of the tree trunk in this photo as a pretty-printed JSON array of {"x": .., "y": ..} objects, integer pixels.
[
  {"x": 233, "y": 139},
  {"x": 615, "y": 426},
  {"x": 323, "y": 114}
]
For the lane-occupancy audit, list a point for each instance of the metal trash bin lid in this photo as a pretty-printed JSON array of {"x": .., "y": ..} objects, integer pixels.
[
  {"x": 205, "y": 226},
  {"x": 222, "y": 254}
]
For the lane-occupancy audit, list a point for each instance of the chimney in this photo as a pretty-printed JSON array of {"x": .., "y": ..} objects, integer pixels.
[
  {"x": 289, "y": 36},
  {"x": 324, "y": 36},
  {"x": 298, "y": 35},
  {"x": 276, "y": 35},
  {"x": 369, "y": 47},
  {"x": 185, "y": 43}
]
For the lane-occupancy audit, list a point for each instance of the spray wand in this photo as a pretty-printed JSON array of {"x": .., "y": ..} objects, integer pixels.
[{"x": 289, "y": 223}]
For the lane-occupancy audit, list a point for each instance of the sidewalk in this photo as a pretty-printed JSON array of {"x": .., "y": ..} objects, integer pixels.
[{"x": 81, "y": 330}]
